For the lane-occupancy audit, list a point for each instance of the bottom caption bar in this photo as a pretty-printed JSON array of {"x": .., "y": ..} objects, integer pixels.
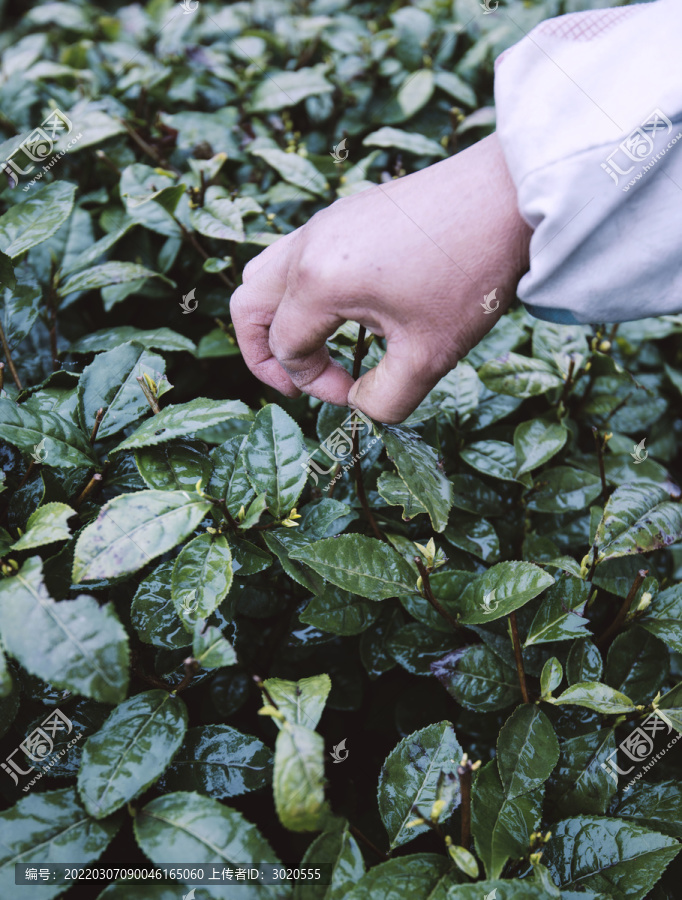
[{"x": 185, "y": 874}]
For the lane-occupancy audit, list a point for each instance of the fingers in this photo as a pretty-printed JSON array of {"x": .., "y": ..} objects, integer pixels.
[
  {"x": 297, "y": 339},
  {"x": 396, "y": 386},
  {"x": 281, "y": 245},
  {"x": 253, "y": 307}
]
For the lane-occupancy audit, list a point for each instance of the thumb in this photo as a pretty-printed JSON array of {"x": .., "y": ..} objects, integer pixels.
[{"x": 396, "y": 386}]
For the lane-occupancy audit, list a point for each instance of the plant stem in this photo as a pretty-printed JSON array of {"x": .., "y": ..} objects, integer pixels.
[
  {"x": 568, "y": 384},
  {"x": 594, "y": 563},
  {"x": 464, "y": 771},
  {"x": 88, "y": 489},
  {"x": 428, "y": 593},
  {"x": 617, "y": 623},
  {"x": 191, "y": 668},
  {"x": 152, "y": 152},
  {"x": 2, "y": 375},
  {"x": 599, "y": 443},
  {"x": 366, "y": 840},
  {"x": 99, "y": 415},
  {"x": 519, "y": 656},
  {"x": 357, "y": 468},
  {"x": 8, "y": 357},
  {"x": 151, "y": 399}
]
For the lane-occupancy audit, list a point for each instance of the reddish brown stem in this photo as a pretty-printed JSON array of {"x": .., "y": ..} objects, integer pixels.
[
  {"x": 357, "y": 468},
  {"x": 151, "y": 399},
  {"x": 99, "y": 415},
  {"x": 428, "y": 593},
  {"x": 366, "y": 840},
  {"x": 192, "y": 666},
  {"x": 617, "y": 623},
  {"x": 568, "y": 384},
  {"x": 10, "y": 361},
  {"x": 519, "y": 656},
  {"x": 599, "y": 443},
  {"x": 464, "y": 773},
  {"x": 88, "y": 489}
]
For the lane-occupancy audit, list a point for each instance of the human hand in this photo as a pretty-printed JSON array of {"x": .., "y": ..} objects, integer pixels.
[{"x": 410, "y": 260}]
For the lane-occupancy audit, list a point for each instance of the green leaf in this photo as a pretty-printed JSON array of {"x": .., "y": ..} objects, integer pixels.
[
  {"x": 474, "y": 535},
  {"x": 202, "y": 577},
  {"x": 217, "y": 344},
  {"x": 219, "y": 217},
  {"x": 137, "y": 184},
  {"x": 493, "y": 458},
  {"x": 527, "y": 751},
  {"x": 36, "y": 219},
  {"x": 477, "y": 679},
  {"x": 395, "y": 492},
  {"x": 219, "y": 761},
  {"x": 417, "y": 465},
  {"x": 474, "y": 496},
  {"x": 560, "y": 615},
  {"x": 655, "y": 806},
  {"x": 301, "y": 702},
  {"x": 623, "y": 860},
  {"x": 411, "y": 777},
  {"x": 671, "y": 705},
  {"x": 211, "y": 649},
  {"x": 182, "y": 420},
  {"x": 76, "y": 644},
  {"x": 519, "y": 376},
  {"x": 44, "y": 829},
  {"x": 551, "y": 676},
  {"x": 664, "y": 617},
  {"x": 415, "y": 92},
  {"x": 360, "y": 565},
  {"x": 340, "y": 612},
  {"x": 339, "y": 849},
  {"x": 580, "y": 782},
  {"x": 637, "y": 519},
  {"x": 295, "y": 169},
  {"x": 110, "y": 338},
  {"x": 19, "y": 310},
  {"x": 584, "y": 662},
  {"x": 130, "y": 751},
  {"x": 396, "y": 139},
  {"x": 637, "y": 664},
  {"x": 51, "y": 438},
  {"x": 561, "y": 489},
  {"x": 298, "y": 778},
  {"x": 229, "y": 480},
  {"x": 7, "y": 277},
  {"x": 422, "y": 876},
  {"x": 417, "y": 647},
  {"x": 45, "y": 526},
  {"x": 152, "y": 613},
  {"x": 559, "y": 344},
  {"x": 279, "y": 90},
  {"x": 536, "y": 442},
  {"x": 177, "y": 466},
  {"x": 185, "y": 825},
  {"x": 275, "y": 458},
  {"x": 599, "y": 697},
  {"x": 96, "y": 277},
  {"x": 501, "y": 827},
  {"x": 504, "y": 588},
  {"x": 132, "y": 530},
  {"x": 110, "y": 383}
]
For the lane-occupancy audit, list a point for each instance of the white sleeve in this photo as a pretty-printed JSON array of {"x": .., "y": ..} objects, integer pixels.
[{"x": 589, "y": 113}]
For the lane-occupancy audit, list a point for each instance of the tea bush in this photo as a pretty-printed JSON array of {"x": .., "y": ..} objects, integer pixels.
[{"x": 453, "y": 673}]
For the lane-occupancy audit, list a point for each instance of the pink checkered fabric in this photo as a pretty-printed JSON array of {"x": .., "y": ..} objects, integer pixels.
[{"x": 588, "y": 25}]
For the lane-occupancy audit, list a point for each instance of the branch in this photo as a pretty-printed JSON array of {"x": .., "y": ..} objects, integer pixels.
[
  {"x": 357, "y": 468},
  {"x": 151, "y": 399},
  {"x": 98, "y": 421},
  {"x": 8, "y": 357},
  {"x": 599, "y": 443},
  {"x": 617, "y": 623},
  {"x": 428, "y": 593},
  {"x": 519, "y": 656},
  {"x": 464, "y": 771}
]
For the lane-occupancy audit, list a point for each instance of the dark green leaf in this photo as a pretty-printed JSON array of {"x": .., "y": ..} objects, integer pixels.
[{"x": 527, "y": 751}]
